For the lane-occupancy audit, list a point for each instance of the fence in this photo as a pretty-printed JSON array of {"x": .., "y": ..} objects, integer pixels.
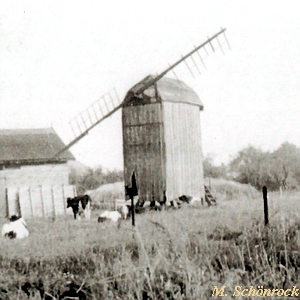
[
  {"x": 119, "y": 202},
  {"x": 39, "y": 201}
]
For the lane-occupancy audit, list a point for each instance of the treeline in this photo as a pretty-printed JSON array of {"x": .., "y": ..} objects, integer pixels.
[
  {"x": 280, "y": 168},
  {"x": 93, "y": 178}
]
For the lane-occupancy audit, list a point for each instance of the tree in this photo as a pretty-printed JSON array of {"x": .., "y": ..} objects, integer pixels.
[
  {"x": 251, "y": 166},
  {"x": 262, "y": 168},
  {"x": 93, "y": 178},
  {"x": 286, "y": 165},
  {"x": 210, "y": 170}
]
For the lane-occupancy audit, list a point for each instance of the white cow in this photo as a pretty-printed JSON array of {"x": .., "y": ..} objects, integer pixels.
[
  {"x": 195, "y": 201},
  {"x": 113, "y": 216},
  {"x": 16, "y": 228},
  {"x": 124, "y": 211}
]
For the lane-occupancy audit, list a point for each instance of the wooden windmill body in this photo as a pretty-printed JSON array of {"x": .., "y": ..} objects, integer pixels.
[{"x": 162, "y": 140}]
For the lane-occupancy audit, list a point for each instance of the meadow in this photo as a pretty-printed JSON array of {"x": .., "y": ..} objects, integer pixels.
[{"x": 174, "y": 254}]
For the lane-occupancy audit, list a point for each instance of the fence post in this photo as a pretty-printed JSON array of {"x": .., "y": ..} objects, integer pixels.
[
  {"x": 64, "y": 200},
  {"x": 53, "y": 202},
  {"x": 266, "y": 212},
  {"x": 6, "y": 203},
  {"x": 42, "y": 200},
  {"x": 18, "y": 202},
  {"x": 31, "y": 205}
]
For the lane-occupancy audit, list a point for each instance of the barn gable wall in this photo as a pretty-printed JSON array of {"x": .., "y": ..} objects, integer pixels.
[
  {"x": 48, "y": 174},
  {"x": 31, "y": 176},
  {"x": 143, "y": 149},
  {"x": 184, "y": 162}
]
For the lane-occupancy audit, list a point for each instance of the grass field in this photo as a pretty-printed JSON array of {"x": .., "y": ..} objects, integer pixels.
[{"x": 180, "y": 254}]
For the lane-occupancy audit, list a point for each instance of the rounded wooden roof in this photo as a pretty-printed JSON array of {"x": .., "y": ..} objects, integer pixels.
[
  {"x": 167, "y": 90},
  {"x": 172, "y": 90}
]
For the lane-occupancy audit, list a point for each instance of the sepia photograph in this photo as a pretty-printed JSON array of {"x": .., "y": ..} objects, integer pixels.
[{"x": 149, "y": 150}]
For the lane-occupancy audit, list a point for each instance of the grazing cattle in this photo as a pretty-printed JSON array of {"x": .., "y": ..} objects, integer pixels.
[
  {"x": 175, "y": 203},
  {"x": 147, "y": 204},
  {"x": 125, "y": 209},
  {"x": 113, "y": 216},
  {"x": 141, "y": 209},
  {"x": 152, "y": 205},
  {"x": 195, "y": 200},
  {"x": 16, "y": 228},
  {"x": 185, "y": 198},
  {"x": 85, "y": 202}
]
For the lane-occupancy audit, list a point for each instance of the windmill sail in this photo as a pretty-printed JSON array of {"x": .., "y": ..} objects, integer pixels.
[
  {"x": 191, "y": 55},
  {"x": 98, "y": 111},
  {"x": 109, "y": 103}
]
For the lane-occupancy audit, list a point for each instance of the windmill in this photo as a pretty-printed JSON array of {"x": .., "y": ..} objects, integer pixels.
[{"x": 148, "y": 92}]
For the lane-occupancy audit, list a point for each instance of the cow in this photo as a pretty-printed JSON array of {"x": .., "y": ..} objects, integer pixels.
[
  {"x": 152, "y": 205},
  {"x": 185, "y": 198},
  {"x": 125, "y": 211},
  {"x": 85, "y": 201},
  {"x": 16, "y": 228},
  {"x": 113, "y": 216}
]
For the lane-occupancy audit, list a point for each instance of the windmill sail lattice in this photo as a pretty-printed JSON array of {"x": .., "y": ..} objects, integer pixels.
[
  {"x": 110, "y": 102},
  {"x": 190, "y": 58},
  {"x": 101, "y": 109}
]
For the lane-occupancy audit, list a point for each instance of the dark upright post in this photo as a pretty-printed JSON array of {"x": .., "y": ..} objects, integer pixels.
[
  {"x": 134, "y": 192},
  {"x": 266, "y": 213},
  {"x": 132, "y": 211}
]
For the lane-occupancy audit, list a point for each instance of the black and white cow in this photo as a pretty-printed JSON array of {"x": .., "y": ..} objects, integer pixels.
[
  {"x": 16, "y": 228},
  {"x": 80, "y": 202}
]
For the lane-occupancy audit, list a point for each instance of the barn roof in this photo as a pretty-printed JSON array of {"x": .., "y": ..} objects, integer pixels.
[
  {"x": 169, "y": 90},
  {"x": 31, "y": 146}
]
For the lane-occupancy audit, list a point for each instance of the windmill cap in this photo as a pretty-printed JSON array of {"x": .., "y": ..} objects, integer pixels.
[{"x": 169, "y": 90}]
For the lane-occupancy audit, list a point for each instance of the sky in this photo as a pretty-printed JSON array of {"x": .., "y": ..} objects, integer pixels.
[{"x": 58, "y": 57}]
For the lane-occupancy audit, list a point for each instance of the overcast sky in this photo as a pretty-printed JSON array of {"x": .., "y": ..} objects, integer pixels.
[{"x": 57, "y": 57}]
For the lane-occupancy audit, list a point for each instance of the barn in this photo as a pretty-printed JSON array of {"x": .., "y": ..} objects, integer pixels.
[
  {"x": 32, "y": 182},
  {"x": 162, "y": 140}
]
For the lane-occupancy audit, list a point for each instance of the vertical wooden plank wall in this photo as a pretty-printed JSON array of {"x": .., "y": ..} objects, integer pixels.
[
  {"x": 184, "y": 169},
  {"x": 12, "y": 201},
  {"x": 58, "y": 199},
  {"x": 25, "y": 177},
  {"x": 48, "y": 203},
  {"x": 25, "y": 202},
  {"x": 39, "y": 201},
  {"x": 143, "y": 149}
]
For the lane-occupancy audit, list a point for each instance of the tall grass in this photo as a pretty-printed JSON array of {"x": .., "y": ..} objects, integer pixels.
[{"x": 180, "y": 254}]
